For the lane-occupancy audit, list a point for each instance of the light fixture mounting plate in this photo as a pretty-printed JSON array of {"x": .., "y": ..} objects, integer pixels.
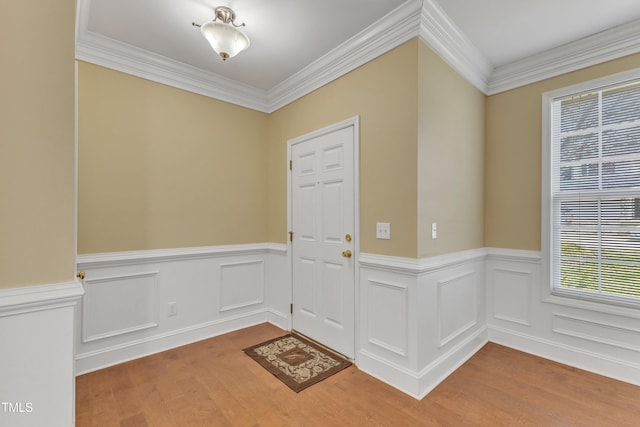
[{"x": 226, "y": 15}]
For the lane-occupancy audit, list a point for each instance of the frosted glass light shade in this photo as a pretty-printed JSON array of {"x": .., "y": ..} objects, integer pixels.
[{"x": 225, "y": 39}]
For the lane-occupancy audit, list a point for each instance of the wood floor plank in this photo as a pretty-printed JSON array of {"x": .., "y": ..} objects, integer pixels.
[{"x": 213, "y": 383}]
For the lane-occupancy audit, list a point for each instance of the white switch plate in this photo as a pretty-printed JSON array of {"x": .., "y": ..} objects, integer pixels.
[
  {"x": 434, "y": 230},
  {"x": 383, "y": 230},
  {"x": 172, "y": 309}
]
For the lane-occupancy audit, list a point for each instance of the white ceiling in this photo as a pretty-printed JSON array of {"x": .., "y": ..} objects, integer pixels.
[
  {"x": 298, "y": 45},
  {"x": 509, "y": 30}
]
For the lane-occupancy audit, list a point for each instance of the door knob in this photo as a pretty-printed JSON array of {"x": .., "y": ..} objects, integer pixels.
[{"x": 347, "y": 254}]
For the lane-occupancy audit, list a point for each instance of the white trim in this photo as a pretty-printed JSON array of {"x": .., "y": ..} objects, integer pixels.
[
  {"x": 568, "y": 297},
  {"x": 380, "y": 37},
  {"x": 192, "y": 277},
  {"x": 389, "y": 32},
  {"x": 595, "y": 337},
  {"x": 521, "y": 255},
  {"x": 464, "y": 328},
  {"x": 423, "y": 265},
  {"x": 29, "y": 299},
  {"x": 404, "y": 289},
  {"x": 438, "y": 370},
  {"x": 610, "y": 326},
  {"x": 566, "y": 354},
  {"x": 113, "y": 333},
  {"x": 236, "y": 264},
  {"x": 120, "y": 353},
  {"x": 116, "y": 55},
  {"x": 37, "y": 350},
  {"x": 529, "y": 303},
  {"x": 419, "y": 384},
  {"x": 601, "y": 47},
  {"x": 584, "y": 304},
  {"x": 446, "y": 39},
  {"x": 423, "y": 18},
  {"x": 111, "y": 259}
]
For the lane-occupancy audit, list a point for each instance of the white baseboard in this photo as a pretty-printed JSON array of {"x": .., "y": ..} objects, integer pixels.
[
  {"x": 419, "y": 384},
  {"x": 109, "y": 356},
  {"x": 568, "y": 355},
  {"x": 438, "y": 370}
]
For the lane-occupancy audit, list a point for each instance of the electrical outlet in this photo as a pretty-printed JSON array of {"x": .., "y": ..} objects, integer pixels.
[
  {"x": 383, "y": 230},
  {"x": 172, "y": 309}
]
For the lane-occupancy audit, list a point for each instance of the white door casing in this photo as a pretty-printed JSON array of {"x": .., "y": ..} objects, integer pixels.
[{"x": 323, "y": 219}]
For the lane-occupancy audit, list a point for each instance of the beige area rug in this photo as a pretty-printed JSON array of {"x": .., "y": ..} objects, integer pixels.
[{"x": 297, "y": 362}]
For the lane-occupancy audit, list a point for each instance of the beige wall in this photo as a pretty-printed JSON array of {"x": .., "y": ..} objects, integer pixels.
[
  {"x": 163, "y": 168},
  {"x": 383, "y": 93},
  {"x": 513, "y": 153},
  {"x": 156, "y": 172},
  {"x": 450, "y": 159},
  {"x": 37, "y": 224}
]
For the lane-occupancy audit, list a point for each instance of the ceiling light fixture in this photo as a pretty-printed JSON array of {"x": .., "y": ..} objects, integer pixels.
[{"x": 223, "y": 34}]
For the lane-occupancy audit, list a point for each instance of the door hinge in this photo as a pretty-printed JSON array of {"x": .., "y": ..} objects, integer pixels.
[
  {"x": 291, "y": 236},
  {"x": 291, "y": 308},
  {"x": 290, "y": 165}
]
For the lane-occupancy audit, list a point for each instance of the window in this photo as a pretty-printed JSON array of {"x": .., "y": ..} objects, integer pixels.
[{"x": 591, "y": 190}]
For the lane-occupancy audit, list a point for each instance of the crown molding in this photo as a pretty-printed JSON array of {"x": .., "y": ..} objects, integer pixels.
[
  {"x": 439, "y": 32},
  {"x": 601, "y": 47},
  {"x": 100, "y": 50},
  {"x": 414, "y": 18},
  {"x": 380, "y": 37}
]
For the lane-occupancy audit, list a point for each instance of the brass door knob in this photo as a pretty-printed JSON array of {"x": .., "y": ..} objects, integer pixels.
[{"x": 347, "y": 254}]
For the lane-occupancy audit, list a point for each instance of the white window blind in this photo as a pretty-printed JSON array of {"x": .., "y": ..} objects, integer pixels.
[{"x": 595, "y": 194}]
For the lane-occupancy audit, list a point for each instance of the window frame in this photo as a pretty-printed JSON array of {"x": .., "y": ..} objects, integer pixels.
[{"x": 551, "y": 293}]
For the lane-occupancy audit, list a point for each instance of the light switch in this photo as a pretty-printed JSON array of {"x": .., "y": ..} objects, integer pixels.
[
  {"x": 434, "y": 230},
  {"x": 383, "y": 230}
]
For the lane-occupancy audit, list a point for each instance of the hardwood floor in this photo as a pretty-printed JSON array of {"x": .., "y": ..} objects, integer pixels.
[{"x": 212, "y": 383}]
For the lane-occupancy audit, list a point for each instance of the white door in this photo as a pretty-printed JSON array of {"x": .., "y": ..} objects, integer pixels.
[{"x": 323, "y": 244}]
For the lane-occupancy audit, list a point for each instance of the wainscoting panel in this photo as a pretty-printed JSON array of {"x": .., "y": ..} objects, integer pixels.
[
  {"x": 387, "y": 305},
  {"x": 241, "y": 284},
  {"x": 133, "y": 296},
  {"x": 623, "y": 337},
  {"x": 420, "y": 319},
  {"x": 595, "y": 337},
  {"x": 457, "y": 306},
  {"x": 513, "y": 293},
  {"x": 139, "y": 303}
]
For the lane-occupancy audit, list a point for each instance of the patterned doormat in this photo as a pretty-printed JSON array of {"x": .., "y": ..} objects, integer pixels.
[{"x": 296, "y": 361}]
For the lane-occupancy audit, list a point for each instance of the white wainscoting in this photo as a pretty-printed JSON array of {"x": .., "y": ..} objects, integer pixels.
[
  {"x": 37, "y": 376},
  {"x": 589, "y": 336},
  {"x": 136, "y": 297},
  {"x": 420, "y": 319},
  {"x": 139, "y": 303},
  {"x": 417, "y": 319}
]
